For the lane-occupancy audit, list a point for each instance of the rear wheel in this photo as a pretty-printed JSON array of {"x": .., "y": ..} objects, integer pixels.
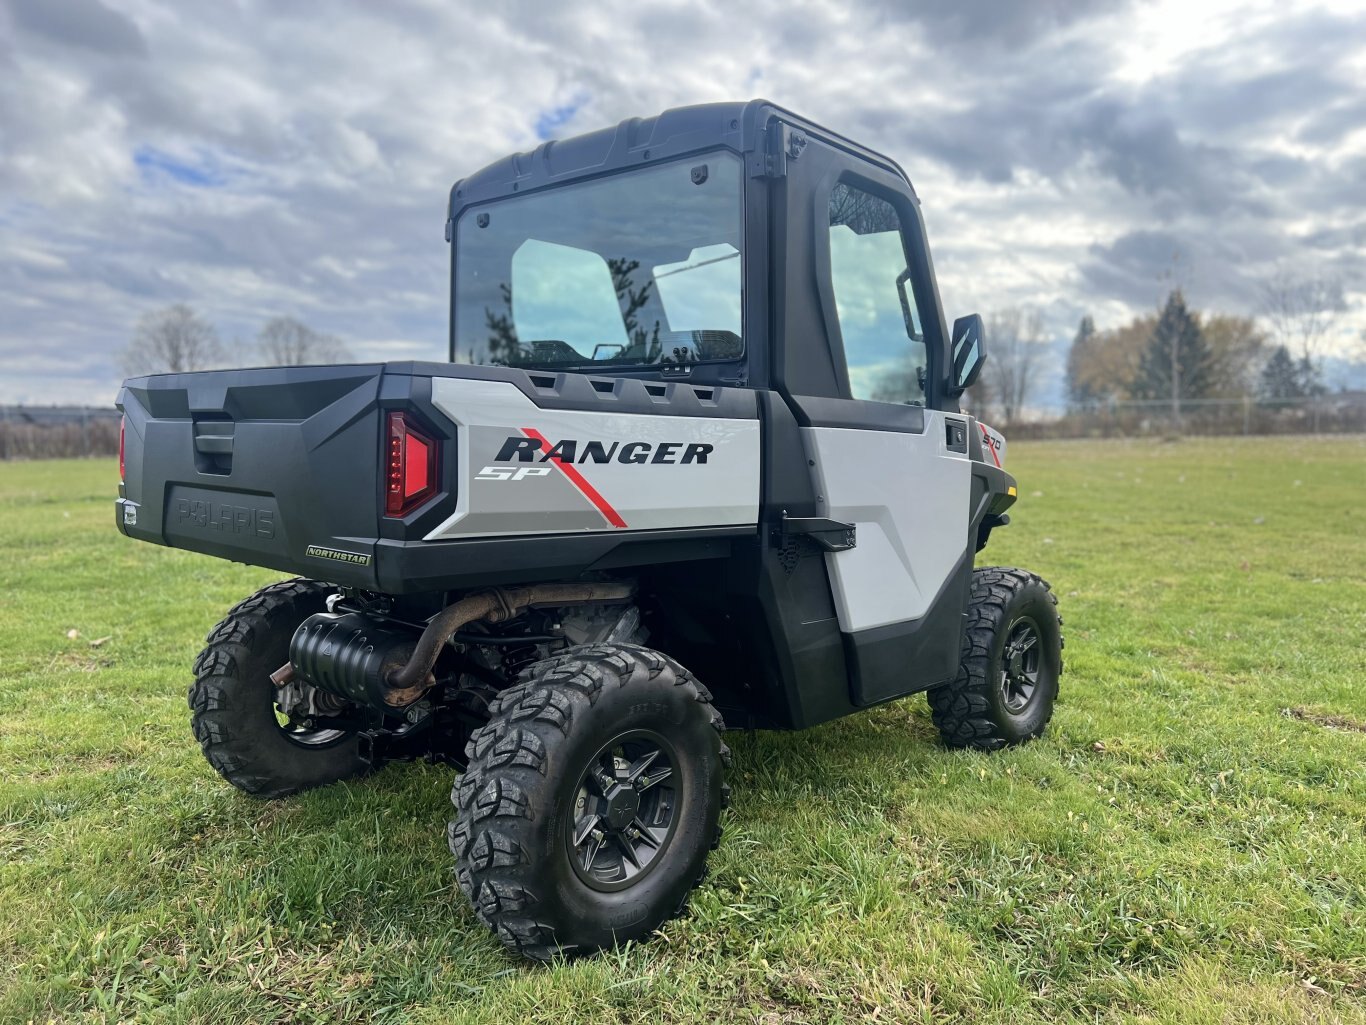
[
  {"x": 1007, "y": 682},
  {"x": 259, "y": 739},
  {"x": 591, "y": 801}
]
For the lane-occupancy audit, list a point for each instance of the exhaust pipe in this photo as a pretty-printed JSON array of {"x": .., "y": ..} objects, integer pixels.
[
  {"x": 409, "y": 682},
  {"x": 369, "y": 663}
]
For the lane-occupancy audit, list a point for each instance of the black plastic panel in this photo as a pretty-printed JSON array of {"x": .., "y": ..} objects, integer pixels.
[
  {"x": 416, "y": 566},
  {"x": 242, "y": 522},
  {"x": 299, "y": 491},
  {"x": 787, "y": 606},
  {"x": 600, "y": 393},
  {"x": 821, "y": 411},
  {"x": 666, "y": 136}
]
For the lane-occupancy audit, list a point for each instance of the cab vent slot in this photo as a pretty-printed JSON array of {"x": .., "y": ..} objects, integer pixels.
[
  {"x": 541, "y": 381},
  {"x": 657, "y": 390},
  {"x": 604, "y": 387}
]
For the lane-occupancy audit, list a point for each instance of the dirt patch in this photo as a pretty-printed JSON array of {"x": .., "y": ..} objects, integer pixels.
[{"x": 1332, "y": 722}]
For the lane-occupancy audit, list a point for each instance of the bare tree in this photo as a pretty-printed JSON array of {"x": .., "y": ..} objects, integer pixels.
[
  {"x": 1015, "y": 341},
  {"x": 1301, "y": 311},
  {"x": 286, "y": 342},
  {"x": 172, "y": 340},
  {"x": 979, "y": 400},
  {"x": 1237, "y": 348}
]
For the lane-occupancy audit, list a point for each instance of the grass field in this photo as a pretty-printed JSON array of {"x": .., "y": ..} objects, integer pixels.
[{"x": 1186, "y": 843}]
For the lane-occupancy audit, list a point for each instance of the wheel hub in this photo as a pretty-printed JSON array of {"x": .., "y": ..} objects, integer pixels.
[
  {"x": 1020, "y": 660},
  {"x": 625, "y": 810},
  {"x": 622, "y": 804}
]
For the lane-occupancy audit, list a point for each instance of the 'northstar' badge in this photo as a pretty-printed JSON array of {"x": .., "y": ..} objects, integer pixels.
[{"x": 337, "y": 555}]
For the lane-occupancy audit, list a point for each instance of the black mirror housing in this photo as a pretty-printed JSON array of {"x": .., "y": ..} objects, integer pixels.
[{"x": 969, "y": 353}]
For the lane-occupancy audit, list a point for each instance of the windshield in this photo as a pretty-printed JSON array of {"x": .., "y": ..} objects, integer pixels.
[{"x": 639, "y": 269}]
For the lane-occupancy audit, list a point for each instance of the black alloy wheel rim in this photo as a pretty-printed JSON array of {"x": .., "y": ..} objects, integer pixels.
[
  {"x": 626, "y": 807},
  {"x": 1021, "y": 660}
]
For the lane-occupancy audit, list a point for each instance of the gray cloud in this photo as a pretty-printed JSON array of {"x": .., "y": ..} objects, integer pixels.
[
  {"x": 84, "y": 24},
  {"x": 973, "y": 24},
  {"x": 1140, "y": 267},
  {"x": 255, "y": 159}
]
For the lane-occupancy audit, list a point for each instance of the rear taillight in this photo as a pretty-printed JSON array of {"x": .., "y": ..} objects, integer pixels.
[
  {"x": 410, "y": 475},
  {"x": 123, "y": 426}
]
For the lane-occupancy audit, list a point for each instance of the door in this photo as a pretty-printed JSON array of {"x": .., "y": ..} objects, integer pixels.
[{"x": 882, "y": 452}]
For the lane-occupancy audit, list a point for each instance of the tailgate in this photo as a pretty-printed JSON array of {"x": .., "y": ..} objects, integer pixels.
[{"x": 276, "y": 467}]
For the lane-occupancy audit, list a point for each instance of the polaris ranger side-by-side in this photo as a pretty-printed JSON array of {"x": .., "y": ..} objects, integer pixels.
[{"x": 702, "y": 411}]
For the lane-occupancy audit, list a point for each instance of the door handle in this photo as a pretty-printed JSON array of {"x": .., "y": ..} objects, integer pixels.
[{"x": 956, "y": 436}]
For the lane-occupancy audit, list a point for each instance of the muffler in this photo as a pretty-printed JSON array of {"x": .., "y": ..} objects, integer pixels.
[
  {"x": 371, "y": 663},
  {"x": 351, "y": 655}
]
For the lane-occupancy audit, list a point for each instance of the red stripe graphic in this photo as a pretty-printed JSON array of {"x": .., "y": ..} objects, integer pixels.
[
  {"x": 990, "y": 447},
  {"x": 577, "y": 479}
]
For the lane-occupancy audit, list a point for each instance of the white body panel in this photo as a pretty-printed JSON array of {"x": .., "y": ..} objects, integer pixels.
[
  {"x": 908, "y": 496},
  {"x": 662, "y": 486}
]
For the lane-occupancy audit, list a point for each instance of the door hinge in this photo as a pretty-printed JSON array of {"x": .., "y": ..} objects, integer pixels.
[{"x": 781, "y": 144}]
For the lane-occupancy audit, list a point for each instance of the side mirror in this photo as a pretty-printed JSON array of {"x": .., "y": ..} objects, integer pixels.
[{"x": 969, "y": 353}]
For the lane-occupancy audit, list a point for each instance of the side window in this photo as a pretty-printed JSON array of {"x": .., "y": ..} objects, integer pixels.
[{"x": 884, "y": 345}]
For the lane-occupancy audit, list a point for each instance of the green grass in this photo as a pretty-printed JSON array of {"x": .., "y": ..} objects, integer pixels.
[{"x": 1176, "y": 847}]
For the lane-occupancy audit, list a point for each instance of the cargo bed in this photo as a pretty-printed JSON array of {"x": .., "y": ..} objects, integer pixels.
[{"x": 285, "y": 468}]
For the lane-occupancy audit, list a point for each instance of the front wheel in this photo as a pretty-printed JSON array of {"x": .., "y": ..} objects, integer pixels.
[
  {"x": 1007, "y": 681},
  {"x": 590, "y": 802}
]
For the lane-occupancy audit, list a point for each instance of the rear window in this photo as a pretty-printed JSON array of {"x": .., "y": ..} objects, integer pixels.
[{"x": 638, "y": 269}]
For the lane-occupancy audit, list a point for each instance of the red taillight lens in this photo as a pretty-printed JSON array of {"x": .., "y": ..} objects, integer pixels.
[
  {"x": 410, "y": 466},
  {"x": 123, "y": 425}
]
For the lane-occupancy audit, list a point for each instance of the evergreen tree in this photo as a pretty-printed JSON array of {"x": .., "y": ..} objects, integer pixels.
[
  {"x": 632, "y": 301},
  {"x": 1281, "y": 376},
  {"x": 503, "y": 345},
  {"x": 1311, "y": 376},
  {"x": 1080, "y": 392},
  {"x": 1176, "y": 339}
]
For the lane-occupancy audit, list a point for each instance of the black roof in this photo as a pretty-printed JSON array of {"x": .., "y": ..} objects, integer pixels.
[{"x": 674, "y": 133}]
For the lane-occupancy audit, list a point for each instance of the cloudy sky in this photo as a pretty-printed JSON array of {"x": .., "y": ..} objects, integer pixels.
[{"x": 264, "y": 158}]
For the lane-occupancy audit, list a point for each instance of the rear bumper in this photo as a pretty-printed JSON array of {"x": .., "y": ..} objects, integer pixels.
[
  {"x": 227, "y": 530},
  {"x": 246, "y": 529}
]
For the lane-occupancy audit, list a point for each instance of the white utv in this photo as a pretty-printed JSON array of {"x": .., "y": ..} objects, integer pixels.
[{"x": 702, "y": 411}]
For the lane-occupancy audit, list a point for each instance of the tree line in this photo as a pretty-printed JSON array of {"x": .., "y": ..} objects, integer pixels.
[
  {"x": 176, "y": 339},
  {"x": 1172, "y": 355}
]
